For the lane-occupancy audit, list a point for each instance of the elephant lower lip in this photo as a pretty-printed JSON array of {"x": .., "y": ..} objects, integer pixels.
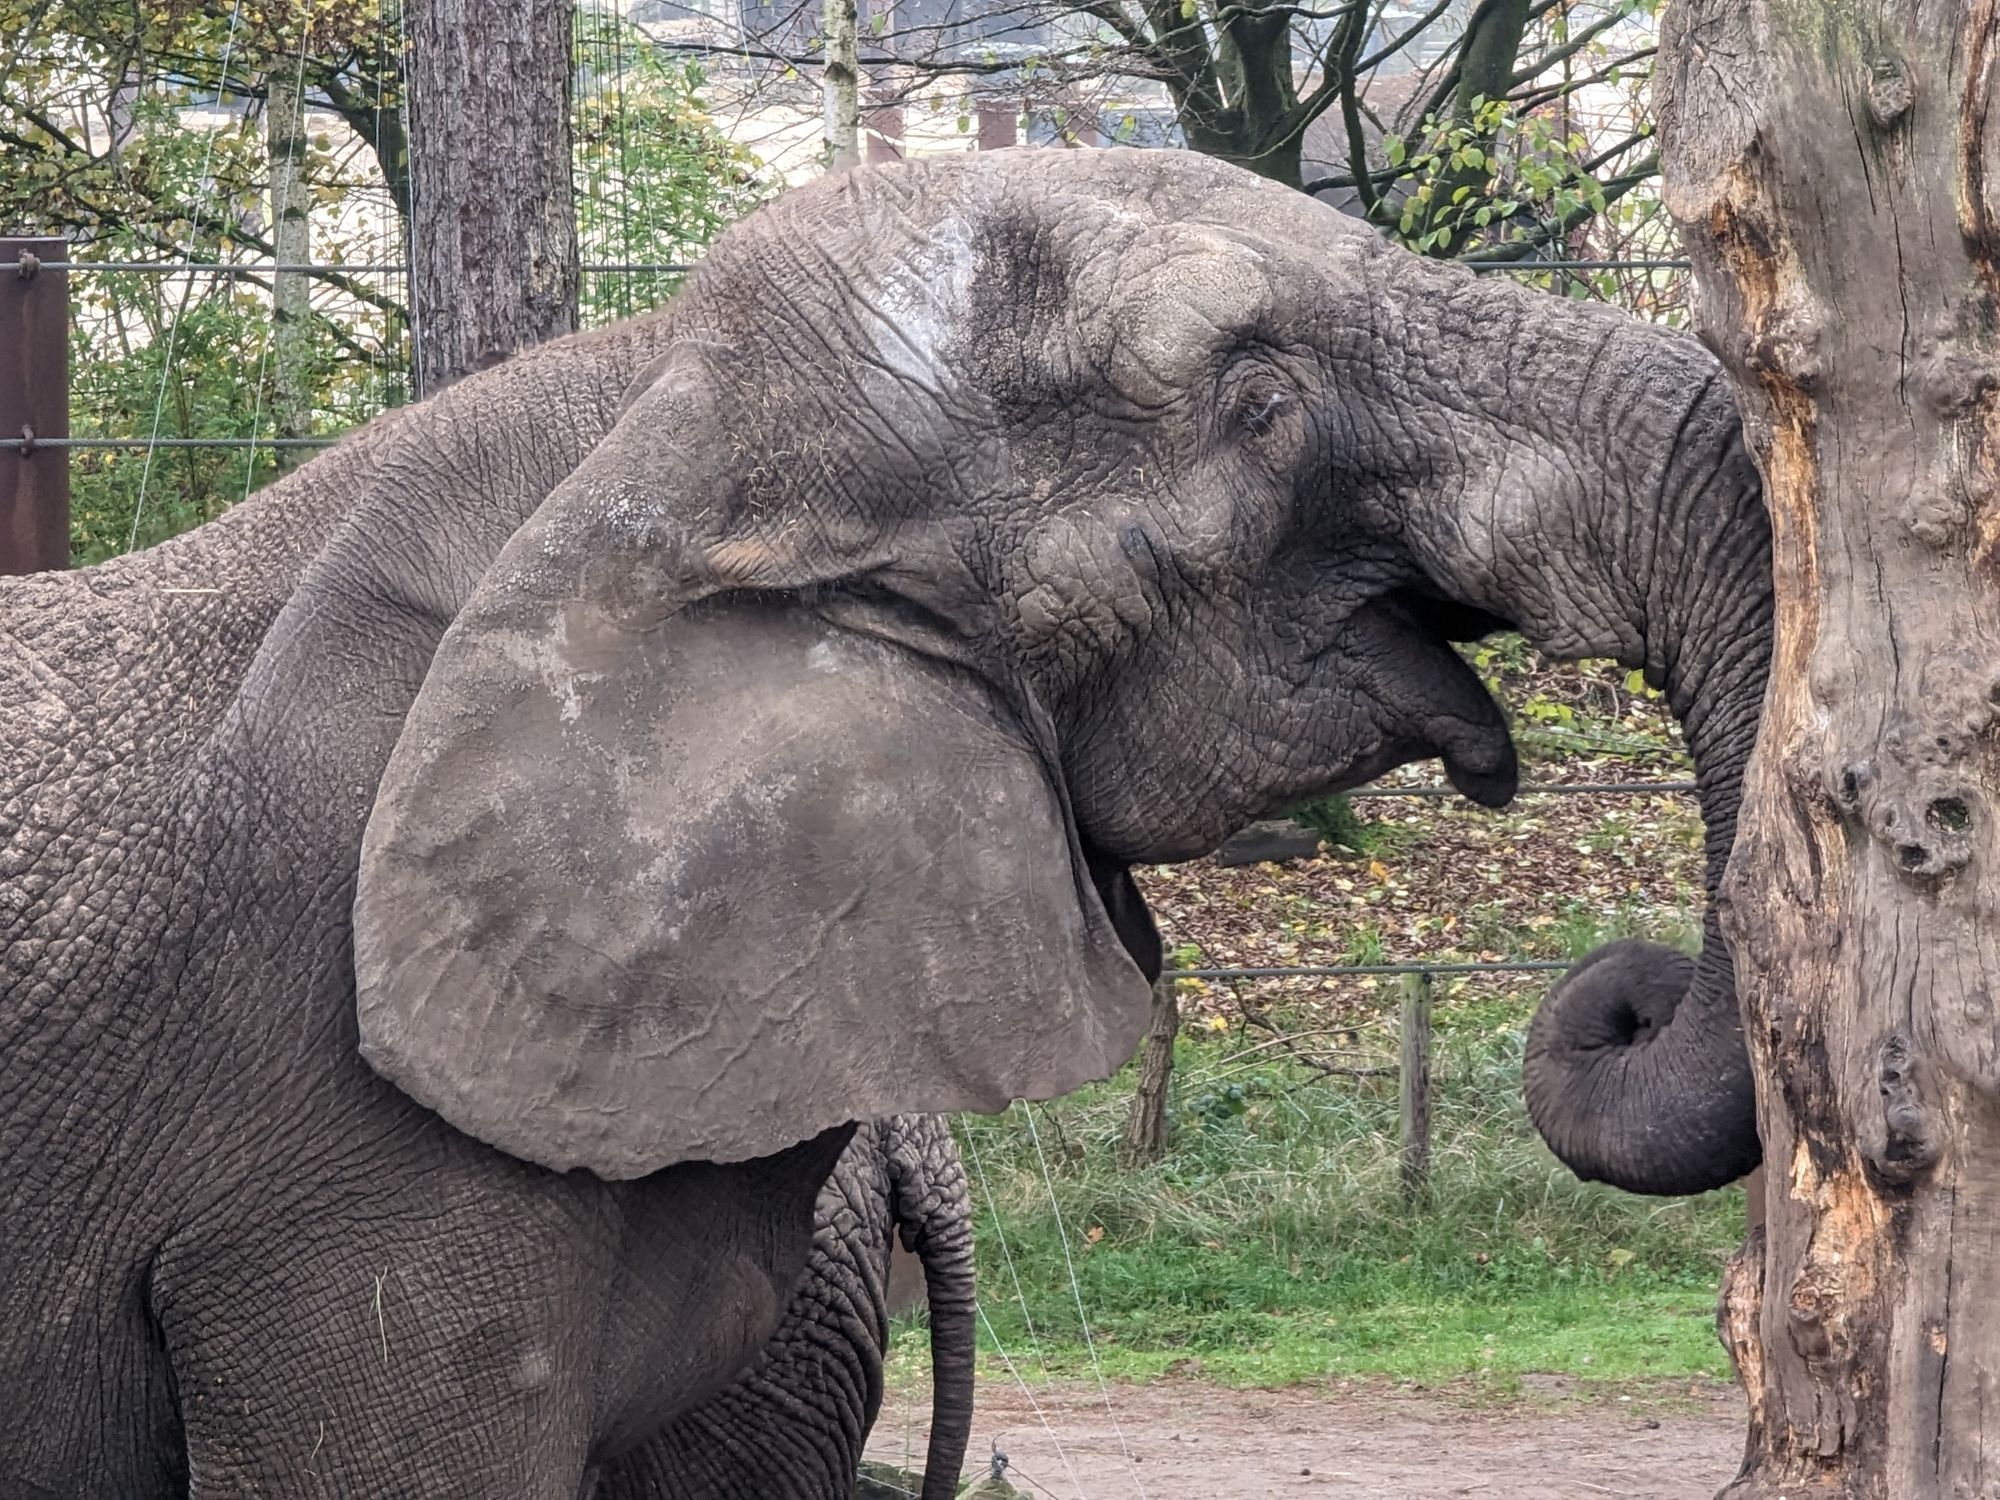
[
  {"x": 1127, "y": 909},
  {"x": 1478, "y": 752},
  {"x": 1489, "y": 786}
]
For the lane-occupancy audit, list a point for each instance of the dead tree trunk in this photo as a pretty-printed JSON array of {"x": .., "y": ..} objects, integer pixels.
[
  {"x": 493, "y": 219},
  {"x": 1834, "y": 170}
]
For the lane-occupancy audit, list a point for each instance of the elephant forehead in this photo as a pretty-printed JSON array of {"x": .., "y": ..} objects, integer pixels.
[{"x": 1158, "y": 311}]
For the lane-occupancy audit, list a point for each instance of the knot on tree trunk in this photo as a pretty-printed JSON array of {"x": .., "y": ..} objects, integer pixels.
[
  {"x": 1904, "y": 1142},
  {"x": 1914, "y": 795}
]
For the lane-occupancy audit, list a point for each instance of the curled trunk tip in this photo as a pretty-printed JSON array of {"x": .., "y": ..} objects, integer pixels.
[{"x": 1636, "y": 1074}]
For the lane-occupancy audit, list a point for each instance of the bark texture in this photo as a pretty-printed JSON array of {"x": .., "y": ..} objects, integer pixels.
[
  {"x": 493, "y": 223},
  {"x": 1831, "y": 167},
  {"x": 1146, "y": 1125},
  {"x": 291, "y": 239},
  {"x": 841, "y": 85}
]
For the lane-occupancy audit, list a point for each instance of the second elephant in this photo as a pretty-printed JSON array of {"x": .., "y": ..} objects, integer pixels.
[{"x": 794, "y": 1426}]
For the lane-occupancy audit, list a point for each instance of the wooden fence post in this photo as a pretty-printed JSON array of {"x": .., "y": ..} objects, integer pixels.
[
  {"x": 34, "y": 403},
  {"x": 1146, "y": 1126},
  {"x": 1414, "y": 1085}
]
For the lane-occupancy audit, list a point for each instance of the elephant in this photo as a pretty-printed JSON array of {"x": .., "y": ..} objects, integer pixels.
[
  {"x": 458, "y": 903},
  {"x": 794, "y": 1426}
]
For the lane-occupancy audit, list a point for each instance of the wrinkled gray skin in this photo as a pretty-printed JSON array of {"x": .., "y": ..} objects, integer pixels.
[
  {"x": 794, "y": 1427},
  {"x": 452, "y": 906},
  {"x": 1605, "y": 506}
]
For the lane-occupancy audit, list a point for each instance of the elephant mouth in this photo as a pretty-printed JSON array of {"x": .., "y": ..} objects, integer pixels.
[
  {"x": 1429, "y": 700},
  {"x": 1450, "y": 620}
]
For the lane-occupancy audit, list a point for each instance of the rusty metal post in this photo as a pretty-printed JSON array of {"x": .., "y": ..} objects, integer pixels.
[
  {"x": 1414, "y": 1084},
  {"x": 34, "y": 404},
  {"x": 999, "y": 124}
]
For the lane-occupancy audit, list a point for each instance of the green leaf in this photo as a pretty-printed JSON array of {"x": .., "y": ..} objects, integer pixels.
[{"x": 1394, "y": 149}]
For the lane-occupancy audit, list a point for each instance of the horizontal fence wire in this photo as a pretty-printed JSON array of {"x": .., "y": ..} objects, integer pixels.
[
  {"x": 29, "y": 265},
  {"x": 1542, "y": 789},
  {"x": 266, "y": 268},
  {"x": 1532, "y": 267},
  {"x": 29, "y": 444},
  {"x": 1341, "y": 971}
]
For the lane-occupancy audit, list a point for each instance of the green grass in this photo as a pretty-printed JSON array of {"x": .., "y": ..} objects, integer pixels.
[{"x": 1273, "y": 1244}]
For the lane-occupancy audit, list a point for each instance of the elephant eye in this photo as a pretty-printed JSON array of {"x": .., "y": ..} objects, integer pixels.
[
  {"x": 1255, "y": 405},
  {"x": 1253, "y": 396}
]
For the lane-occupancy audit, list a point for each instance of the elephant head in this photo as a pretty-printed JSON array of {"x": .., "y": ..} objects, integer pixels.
[
  {"x": 984, "y": 527},
  {"x": 988, "y": 526}
]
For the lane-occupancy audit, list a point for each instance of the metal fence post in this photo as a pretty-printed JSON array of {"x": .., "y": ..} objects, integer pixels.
[
  {"x": 34, "y": 403},
  {"x": 1414, "y": 1085}
]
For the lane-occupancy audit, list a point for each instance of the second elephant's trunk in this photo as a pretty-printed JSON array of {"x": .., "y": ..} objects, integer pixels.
[
  {"x": 1608, "y": 508},
  {"x": 932, "y": 1208}
]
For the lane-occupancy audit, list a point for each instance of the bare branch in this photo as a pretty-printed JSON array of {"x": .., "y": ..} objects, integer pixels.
[
  {"x": 1528, "y": 103},
  {"x": 1569, "y": 49}
]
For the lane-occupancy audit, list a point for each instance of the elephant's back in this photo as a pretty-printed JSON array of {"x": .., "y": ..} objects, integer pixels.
[
  {"x": 132, "y": 660},
  {"x": 111, "y": 679}
]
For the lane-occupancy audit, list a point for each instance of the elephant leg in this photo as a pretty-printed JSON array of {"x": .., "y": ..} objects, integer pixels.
[{"x": 349, "y": 1368}]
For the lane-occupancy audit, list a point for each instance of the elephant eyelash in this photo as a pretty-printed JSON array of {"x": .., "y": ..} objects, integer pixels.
[{"x": 1257, "y": 412}]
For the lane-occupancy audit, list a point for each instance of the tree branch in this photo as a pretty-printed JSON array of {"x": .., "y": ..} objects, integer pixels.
[
  {"x": 1613, "y": 190},
  {"x": 1350, "y": 110},
  {"x": 1528, "y": 103},
  {"x": 1568, "y": 50}
]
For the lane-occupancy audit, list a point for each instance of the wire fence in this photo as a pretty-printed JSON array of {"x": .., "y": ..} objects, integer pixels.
[
  {"x": 612, "y": 188},
  {"x": 148, "y": 444}
]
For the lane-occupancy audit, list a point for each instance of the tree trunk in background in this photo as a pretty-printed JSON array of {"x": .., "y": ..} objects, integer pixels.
[
  {"x": 842, "y": 85},
  {"x": 291, "y": 311},
  {"x": 1833, "y": 169},
  {"x": 493, "y": 219},
  {"x": 1146, "y": 1126},
  {"x": 1486, "y": 63},
  {"x": 1243, "y": 109}
]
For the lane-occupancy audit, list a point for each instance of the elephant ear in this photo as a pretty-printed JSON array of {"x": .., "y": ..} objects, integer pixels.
[{"x": 696, "y": 881}]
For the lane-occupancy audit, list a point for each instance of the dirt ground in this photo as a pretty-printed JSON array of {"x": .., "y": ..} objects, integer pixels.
[{"x": 1193, "y": 1442}]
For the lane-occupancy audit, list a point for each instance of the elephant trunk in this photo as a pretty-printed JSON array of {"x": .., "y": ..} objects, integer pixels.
[
  {"x": 1610, "y": 509},
  {"x": 932, "y": 1205}
]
